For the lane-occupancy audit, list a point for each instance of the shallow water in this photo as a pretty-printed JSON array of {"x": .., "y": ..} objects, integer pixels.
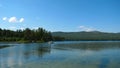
[{"x": 66, "y": 54}]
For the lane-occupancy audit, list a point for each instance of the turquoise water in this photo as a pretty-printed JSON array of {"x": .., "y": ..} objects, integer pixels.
[{"x": 66, "y": 54}]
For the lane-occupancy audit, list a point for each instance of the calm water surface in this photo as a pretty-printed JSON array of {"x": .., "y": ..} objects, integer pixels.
[{"x": 66, "y": 54}]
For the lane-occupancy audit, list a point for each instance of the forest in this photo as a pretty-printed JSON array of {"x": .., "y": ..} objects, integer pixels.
[
  {"x": 26, "y": 35},
  {"x": 88, "y": 36},
  {"x": 42, "y": 35}
]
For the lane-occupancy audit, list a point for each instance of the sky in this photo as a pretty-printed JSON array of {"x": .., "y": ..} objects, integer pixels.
[{"x": 61, "y": 15}]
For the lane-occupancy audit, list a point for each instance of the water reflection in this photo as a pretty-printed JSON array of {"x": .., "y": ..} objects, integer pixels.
[
  {"x": 37, "y": 50},
  {"x": 88, "y": 45},
  {"x": 61, "y": 55},
  {"x": 4, "y": 46},
  {"x": 22, "y": 54}
]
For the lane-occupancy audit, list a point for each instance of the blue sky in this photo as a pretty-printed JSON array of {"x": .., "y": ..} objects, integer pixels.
[{"x": 61, "y": 15}]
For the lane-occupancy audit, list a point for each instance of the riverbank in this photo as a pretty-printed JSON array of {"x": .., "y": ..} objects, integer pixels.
[
  {"x": 24, "y": 41},
  {"x": 4, "y": 46}
]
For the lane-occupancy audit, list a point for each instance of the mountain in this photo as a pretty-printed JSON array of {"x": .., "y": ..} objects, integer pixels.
[{"x": 93, "y": 35}]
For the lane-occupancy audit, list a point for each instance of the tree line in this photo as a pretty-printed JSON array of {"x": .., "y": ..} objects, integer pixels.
[
  {"x": 88, "y": 36},
  {"x": 42, "y": 35},
  {"x": 28, "y": 35}
]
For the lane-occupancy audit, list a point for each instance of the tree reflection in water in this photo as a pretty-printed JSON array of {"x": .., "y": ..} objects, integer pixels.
[
  {"x": 23, "y": 53},
  {"x": 37, "y": 50}
]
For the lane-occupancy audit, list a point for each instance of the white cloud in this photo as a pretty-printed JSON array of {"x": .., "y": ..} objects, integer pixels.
[
  {"x": 21, "y": 20},
  {"x": 87, "y": 29},
  {"x": 13, "y": 19},
  {"x": 4, "y": 18}
]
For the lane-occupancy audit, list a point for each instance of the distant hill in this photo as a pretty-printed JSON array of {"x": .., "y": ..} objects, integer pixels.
[{"x": 94, "y": 35}]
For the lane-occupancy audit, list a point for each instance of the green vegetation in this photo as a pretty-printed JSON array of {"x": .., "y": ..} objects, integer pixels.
[
  {"x": 41, "y": 35},
  {"x": 58, "y": 38},
  {"x": 27, "y": 35},
  {"x": 95, "y": 35}
]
